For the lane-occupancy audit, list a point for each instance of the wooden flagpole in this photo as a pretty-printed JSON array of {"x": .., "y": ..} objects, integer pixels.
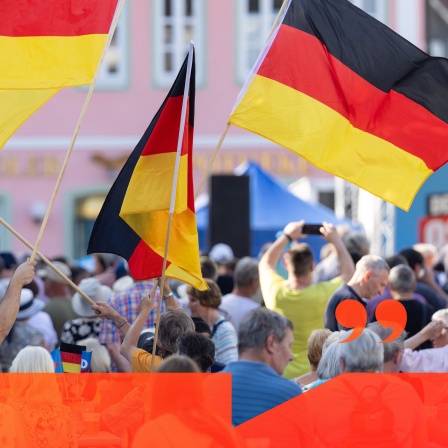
[
  {"x": 47, "y": 261},
  {"x": 278, "y": 19},
  {"x": 173, "y": 194},
  {"x": 78, "y": 126}
]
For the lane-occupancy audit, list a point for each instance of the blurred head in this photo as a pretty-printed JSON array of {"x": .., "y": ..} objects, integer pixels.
[
  {"x": 402, "y": 280},
  {"x": 395, "y": 260},
  {"x": 428, "y": 252},
  {"x": 266, "y": 336},
  {"x": 393, "y": 350},
  {"x": 371, "y": 276},
  {"x": 100, "y": 362},
  {"x": 173, "y": 323},
  {"x": 209, "y": 268},
  {"x": 357, "y": 242},
  {"x": 246, "y": 275},
  {"x": 299, "y": 260},
  {"x": 199, "y": 301},
  {"x": 315, "y": 344},
  {"x": 93, "y": 289},
  {"x": 442, "y": 339},
  {"x": 178, "y": 364},
  {"x": 198, "y": 347},
  {"x": 363, "y": 354},
  {"x": 414, "y": 258},
  {"x": 201, "y": 326},
  {"x": 329, "y": 365},
  {"x": 32, "y": 360}
]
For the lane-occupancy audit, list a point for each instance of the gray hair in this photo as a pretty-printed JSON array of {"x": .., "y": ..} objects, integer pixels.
[
  {"x": 363, "y": 354},
  {"x": 100, "y": 362},
  {"x": 245, "y": 271},
  {"x": 392, "y": 347},
  {"x": 32, "y": 360},
  {"x": 357, "y": 242},
  {"x": 257, "y": 325},
  {"x": 173, "y": 323},
  {"x": 402, "y": 279},
  {"x": 371, "y": 263},
  {"x": 329, "y": 363}
]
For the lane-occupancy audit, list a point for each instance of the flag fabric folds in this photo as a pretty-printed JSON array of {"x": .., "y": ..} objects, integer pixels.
[
  {"x": 352, "y": 97},
  {"x": 45, "y": 46},
  {"x": 133, "y": 221}
]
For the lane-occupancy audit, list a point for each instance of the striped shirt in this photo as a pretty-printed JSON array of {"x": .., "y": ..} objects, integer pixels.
[{"x": 226, "y": 341}]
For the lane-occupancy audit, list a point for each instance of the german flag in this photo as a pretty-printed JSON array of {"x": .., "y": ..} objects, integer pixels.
[
  {"x": 71, "y": 357},
  {"x": 352, "y": 97},
  {"x": 45, "y": 46},
  {"x": 133, "y": 221}
]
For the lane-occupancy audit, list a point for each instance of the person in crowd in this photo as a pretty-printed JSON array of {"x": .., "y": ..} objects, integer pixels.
[
  {"x": 431, "y": 360},
  {"x": 198, "y": 347},
  {"x": 59, "y": 305},
  {"x": 355, "y": 242},
  {"x": 173, "y": 323},
  {"x": 10, "y": 301},
  {"x": 372, "y": 304},
  {"x": 88, "y": 323},
  {"x": 315, "y": 343},
  {"x": 402, "y": 286},
  {"x": 105, "y": 268},
  {"x": 393, "y": 350},
  {"x": 30, "y": 312},
  {"x": 297, "y": 298},
  {"x": 38, "y": 402},
  {"x": 426, "y": 283},
  {"x": 370, "y": 278},
  {"x": 179, "y": 364},
  {"x": 223, "y": 255},
  {"x": 265, "y": 341},
  {"x": 205, "y": 304},
  {"x": 442, "y": 339},
  {"x": 246, "y": 283},
  {"x": 126, "y": 305}
]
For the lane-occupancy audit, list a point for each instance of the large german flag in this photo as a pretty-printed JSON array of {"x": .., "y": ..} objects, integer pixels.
[
  {"x": 352, "y": 97},
  {"x": 134, "y": 219},
  {"x": 44, "y": 46}
]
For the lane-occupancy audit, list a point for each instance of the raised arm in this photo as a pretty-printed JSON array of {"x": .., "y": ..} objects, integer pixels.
[
  {"x": 129, "y": 344},
  {"x": 105, "y": 311},
  {"x": 9, "y": 306},
  {"x": 270, "y": 259},
  {"x": 346, "y": 264},
  {"x": 431, "y": 331}
]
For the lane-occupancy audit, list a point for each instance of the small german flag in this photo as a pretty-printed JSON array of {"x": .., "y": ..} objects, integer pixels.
[
  {"x": 71, "y": 357},
  {"x": 352, "y": 97}
]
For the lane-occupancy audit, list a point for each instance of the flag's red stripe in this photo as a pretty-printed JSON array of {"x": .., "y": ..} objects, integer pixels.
[
  {"x": 71, "y": 358},
  {"x": 20, "y": 18},
  {"x": 163, "y": 140},
  {"x": 316, "y": 73},
  {"x": 144, "y": 263}
]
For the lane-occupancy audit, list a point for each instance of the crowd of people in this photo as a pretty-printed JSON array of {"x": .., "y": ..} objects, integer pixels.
[{"x": 278, "y": 337}]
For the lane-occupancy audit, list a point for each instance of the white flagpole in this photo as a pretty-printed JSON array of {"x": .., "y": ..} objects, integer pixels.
[{"x": 173, "y": 192}]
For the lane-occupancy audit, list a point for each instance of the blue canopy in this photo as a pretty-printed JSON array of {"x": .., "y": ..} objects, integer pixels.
[{"x": 272, "y": 206}]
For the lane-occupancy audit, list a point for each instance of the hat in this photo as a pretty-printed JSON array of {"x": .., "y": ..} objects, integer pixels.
[
  {"x": 95, "y": 290},
  {"x": 123, "y": 283},
  {"x": 28, "y": 304},
  {"x": 221, "y": 253},
  {"x": 4, "y": 282},
  {"x": 48, "y": 274}
]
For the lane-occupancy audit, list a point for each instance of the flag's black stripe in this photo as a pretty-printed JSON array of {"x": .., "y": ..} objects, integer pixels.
[{"x": 374, "y": 51}]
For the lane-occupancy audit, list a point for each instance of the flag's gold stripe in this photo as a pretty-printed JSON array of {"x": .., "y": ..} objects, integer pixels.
[
  {"x": 328, "y": 140},
  {"x": 49, "y": 61}
]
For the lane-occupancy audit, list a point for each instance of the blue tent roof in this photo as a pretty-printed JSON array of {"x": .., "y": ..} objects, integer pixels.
[{"x": 272, "y": 206}]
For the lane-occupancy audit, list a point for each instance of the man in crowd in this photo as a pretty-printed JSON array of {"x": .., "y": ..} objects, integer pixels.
[
  {"x": 246, "y": 283},
  {"x": 370, "y": 278},
  {"x": 298, "y": 298},
  {"x": 265, "y": 339},
  {"x": 9, "y": 306}
]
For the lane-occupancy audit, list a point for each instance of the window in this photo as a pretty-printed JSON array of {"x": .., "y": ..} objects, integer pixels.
[
  {"x": 376, "y": 8},
  {"x": 256, "y": 18},
  {"x": 175, "y": 24},
  {"x": 114, "y": 73}
]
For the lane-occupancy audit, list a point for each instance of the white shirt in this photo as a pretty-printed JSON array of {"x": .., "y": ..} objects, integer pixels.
[
  {"x": 41, "y": 321},
  {"x": 431, "y": 360},
  {"x": 237, "y": 307}
]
